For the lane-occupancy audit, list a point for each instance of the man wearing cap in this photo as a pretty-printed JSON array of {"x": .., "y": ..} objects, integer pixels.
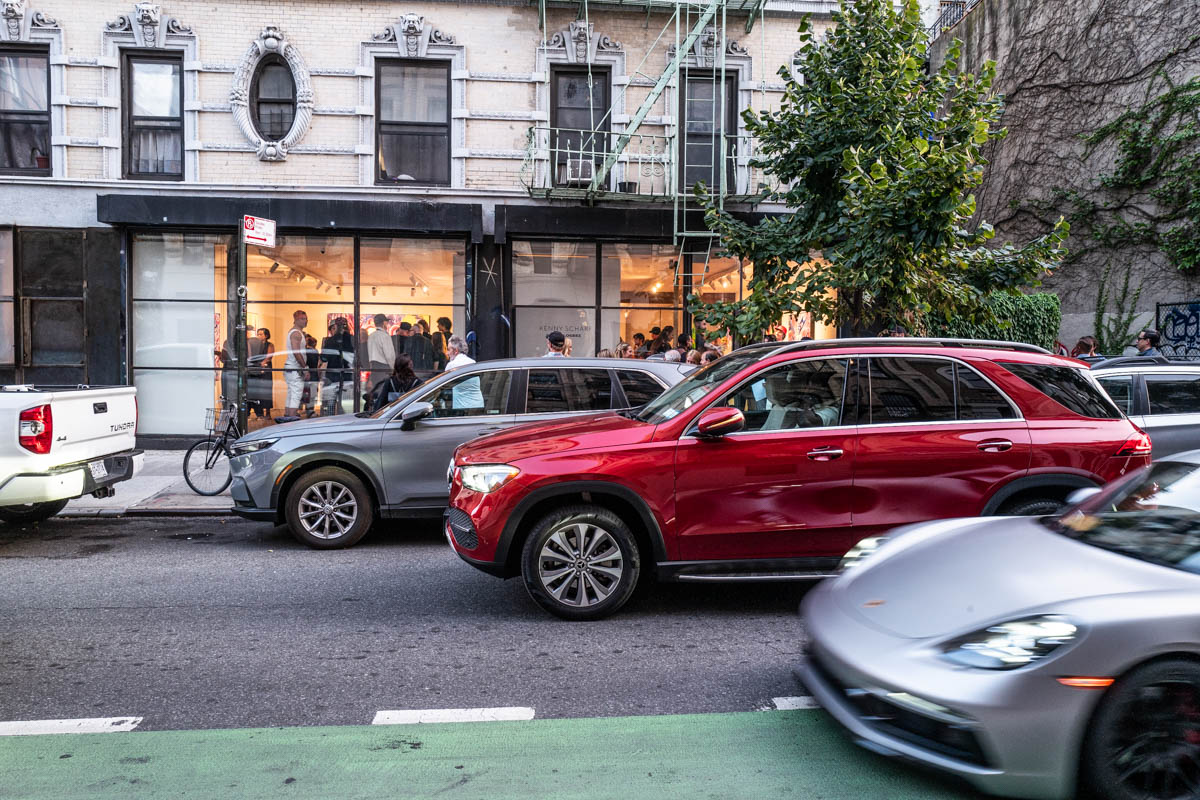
[{"x": 556, "y": 342}]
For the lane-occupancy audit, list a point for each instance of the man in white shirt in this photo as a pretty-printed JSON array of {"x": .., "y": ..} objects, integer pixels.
[
  {"x": 465, "y": 393},
  {"x": 556, "y": 342},
  {"x": 381, "y": 353},
  {"x": 295, "y": 365}
]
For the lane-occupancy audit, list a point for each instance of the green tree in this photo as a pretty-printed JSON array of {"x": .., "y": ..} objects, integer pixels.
[{"x": 876, "y": 161}]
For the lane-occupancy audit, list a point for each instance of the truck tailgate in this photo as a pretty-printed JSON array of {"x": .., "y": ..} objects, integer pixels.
[{"x": 87, "y": 423}]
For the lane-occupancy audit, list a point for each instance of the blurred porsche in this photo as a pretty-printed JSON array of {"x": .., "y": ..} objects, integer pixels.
[{"x": 1031, "y": 656}]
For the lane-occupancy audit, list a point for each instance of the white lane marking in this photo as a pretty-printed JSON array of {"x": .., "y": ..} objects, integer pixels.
[
  {"x": 452, "y": 715},
  {"x": 37, "y": 727},
  {"x": 792, "y": 703}
]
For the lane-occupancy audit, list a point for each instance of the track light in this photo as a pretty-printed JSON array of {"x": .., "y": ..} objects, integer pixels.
[
  {"x": 319, "y": 285},
  {"x": 372, "y": 291},
  {"x": 339, "y": 290},
  {"x": 274, "y": 267},
  {"x": 424, "y": 288}
]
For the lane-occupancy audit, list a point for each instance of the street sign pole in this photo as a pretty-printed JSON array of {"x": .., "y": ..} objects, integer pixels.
[{"x": 241, "y": 346}]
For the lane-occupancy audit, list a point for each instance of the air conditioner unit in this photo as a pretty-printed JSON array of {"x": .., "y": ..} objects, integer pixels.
[{"x": 580, "y": 171}]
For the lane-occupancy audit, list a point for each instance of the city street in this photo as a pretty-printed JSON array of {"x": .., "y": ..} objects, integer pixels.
[{"x": 194, "y": 624}]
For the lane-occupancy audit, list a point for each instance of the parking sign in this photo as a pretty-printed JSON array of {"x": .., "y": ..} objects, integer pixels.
[{"x": 258, "y": 230}]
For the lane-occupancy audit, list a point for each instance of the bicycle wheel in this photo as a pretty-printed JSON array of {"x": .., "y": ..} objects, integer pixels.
[{"x": 206, "y": 467}]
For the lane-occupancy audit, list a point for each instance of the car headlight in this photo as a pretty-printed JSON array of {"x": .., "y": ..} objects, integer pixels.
[
  {"x": 245, "y": 448},
  {"x": 487, "y": 477},
  {"x": 1011, "y": 645},
  {"x": 861, "y": 552}
]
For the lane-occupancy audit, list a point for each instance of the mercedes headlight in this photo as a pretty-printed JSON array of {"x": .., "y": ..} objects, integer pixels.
[
  {"x": 861, "y": 552},
  {"x": 245, "y": 448},
  {"x": 487, "y": 477},
  {"x": 1011, "y": 645}
]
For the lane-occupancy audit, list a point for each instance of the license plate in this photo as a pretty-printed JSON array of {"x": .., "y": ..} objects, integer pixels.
[{"x": 99, "y": 471}]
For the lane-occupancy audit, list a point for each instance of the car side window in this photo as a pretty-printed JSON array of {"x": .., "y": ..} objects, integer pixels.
[
  {"x": 908, "y": 390},
  {"x": 639, "y": 387},
  {"x": 471, "y": 395},
  {"x": 803, "y": 394},
  {"x": 975, "y": 398},
  {"x": 1120, "y": 389},
  {"x": 555, "y": 391},
  {"x": 1173, "y": 394}
]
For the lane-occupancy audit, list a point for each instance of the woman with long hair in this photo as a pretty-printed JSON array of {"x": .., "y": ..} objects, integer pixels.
[
  {"x": 402, "y": 379},
  {"x": 260, "y": 389}
]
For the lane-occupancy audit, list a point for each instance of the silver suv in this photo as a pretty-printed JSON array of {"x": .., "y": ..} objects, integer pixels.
[
  {"x": 329, "y": 478},
  {"x": 1160, "y": 396}
]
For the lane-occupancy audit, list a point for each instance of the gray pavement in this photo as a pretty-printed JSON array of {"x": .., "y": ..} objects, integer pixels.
[{"x": 159, "y": 489}]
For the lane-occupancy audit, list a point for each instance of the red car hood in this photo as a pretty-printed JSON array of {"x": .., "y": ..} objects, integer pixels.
[{"x": 604, "y": 429}]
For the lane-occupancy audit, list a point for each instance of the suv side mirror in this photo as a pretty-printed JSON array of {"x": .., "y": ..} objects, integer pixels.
[
  {"x": 716, "y": 422},
  {"x": 414, "y": 412}
]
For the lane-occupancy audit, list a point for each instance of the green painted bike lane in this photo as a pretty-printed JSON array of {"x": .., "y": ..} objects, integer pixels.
[{"x": 798, "y": 754}]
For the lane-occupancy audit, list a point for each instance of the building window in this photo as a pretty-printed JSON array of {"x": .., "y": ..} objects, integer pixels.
[
  {"x": 153, "y": 95},
  {"x": 709, "y": 113},
  {"x": 579, "y": 117},
  {"x": 25, "y": 112},
  {"x": 273, "y": 98},
  {"x": 412, "y": 122}
]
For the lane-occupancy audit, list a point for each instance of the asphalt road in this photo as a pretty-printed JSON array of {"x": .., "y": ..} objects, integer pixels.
[{"x": 194, "y": 623}]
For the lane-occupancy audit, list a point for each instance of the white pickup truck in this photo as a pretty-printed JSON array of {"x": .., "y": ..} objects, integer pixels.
[{"x": 63, "y": 443}]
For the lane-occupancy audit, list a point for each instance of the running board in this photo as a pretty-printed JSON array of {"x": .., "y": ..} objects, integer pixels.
[{"x": 757, "y": 577}]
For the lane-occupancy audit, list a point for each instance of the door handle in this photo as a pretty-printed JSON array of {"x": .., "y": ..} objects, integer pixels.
[
  {"x": 995, "y": 445},
  {"x": 824, "y": 454}
]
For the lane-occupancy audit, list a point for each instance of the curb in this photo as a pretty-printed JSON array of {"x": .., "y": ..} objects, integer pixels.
[{"x": 148, "y": 512}]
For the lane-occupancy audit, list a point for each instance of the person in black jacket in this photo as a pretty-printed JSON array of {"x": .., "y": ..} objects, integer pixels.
[{"x": 401, "y": 380}]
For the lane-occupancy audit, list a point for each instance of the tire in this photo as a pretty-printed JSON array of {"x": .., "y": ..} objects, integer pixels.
[
  {"x": 206, "y": 467},
  {"x": 1032, "y": 507},
  {"x": 33, "y": 512},
  {"x": 1144, "y": 741},
  {"x": 562, "y": 572},
  {"x": 329, "y": 508}
]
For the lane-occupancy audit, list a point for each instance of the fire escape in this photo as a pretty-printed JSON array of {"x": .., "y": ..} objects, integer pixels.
[{"x": 657, "y": 158}]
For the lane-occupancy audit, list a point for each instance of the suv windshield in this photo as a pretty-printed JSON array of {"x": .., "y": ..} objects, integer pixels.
[
  {"x": 1152, "y": 516},
  {"x": 695, "y": 386}
]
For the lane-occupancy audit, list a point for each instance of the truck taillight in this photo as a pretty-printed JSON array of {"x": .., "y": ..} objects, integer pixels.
[
  {"x": 36, "y": 429},
  {"x": 1136, "y": 445}
]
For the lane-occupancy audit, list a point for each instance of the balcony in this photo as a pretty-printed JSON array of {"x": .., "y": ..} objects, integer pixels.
[{"x": 563, "y": 163}]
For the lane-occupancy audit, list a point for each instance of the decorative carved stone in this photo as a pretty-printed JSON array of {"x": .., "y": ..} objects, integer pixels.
[
  {"x": 147, "y": 25},
  {"x": 580, "y": 43},
  {"x": 271, "y": 41},
  {"x": 413, "y": 35},
  {"x": 17, "y": 22},
  {"x": 708, "y": 47}
]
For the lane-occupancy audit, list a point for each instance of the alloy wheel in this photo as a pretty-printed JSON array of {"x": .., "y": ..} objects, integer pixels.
[
  {"x": 580, "y": 565},
  {"x": 328, "y": 510},
  {"x": 1155, "y": 747}
]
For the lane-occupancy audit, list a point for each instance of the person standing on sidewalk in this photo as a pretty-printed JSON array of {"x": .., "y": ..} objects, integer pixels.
[
  {"x": 295, "y": 366},
  {"x": 1147, "y": 343}
]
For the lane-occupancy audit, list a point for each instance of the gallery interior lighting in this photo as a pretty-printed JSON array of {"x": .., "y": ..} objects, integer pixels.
[{"x": 274, "y": 267}]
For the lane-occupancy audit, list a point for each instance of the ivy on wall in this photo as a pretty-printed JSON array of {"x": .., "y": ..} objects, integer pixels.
[
  {"x": 1152, "y": 195},
  {"x": 1029, "y": 318}
]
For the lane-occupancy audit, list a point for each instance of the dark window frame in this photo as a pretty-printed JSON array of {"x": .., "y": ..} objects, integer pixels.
[
  {"x": 397, "y": 127},
  {"x": 269, "y": 60},
  {"x": 129, "y": 122},
  {"x": 601, "y": 74},
  {"x": 26, "y": 49},
  {"x": 730, "y": 125}
]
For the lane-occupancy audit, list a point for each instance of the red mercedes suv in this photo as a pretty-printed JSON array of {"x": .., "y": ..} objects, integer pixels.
[{"x": 771, "y": 463}]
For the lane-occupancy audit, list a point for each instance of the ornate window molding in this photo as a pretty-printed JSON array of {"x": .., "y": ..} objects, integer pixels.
[
  {"x": 21, "y": 25},
  {"x": 579, "y": 45},
  {"x": 413, "y": 37},
  {"x": 147, "y": 28},
  {"x": 271, "y": 41}
]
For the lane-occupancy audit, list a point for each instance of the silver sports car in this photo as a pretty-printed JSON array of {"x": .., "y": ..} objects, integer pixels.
[{"x": 1028, "y": 655}]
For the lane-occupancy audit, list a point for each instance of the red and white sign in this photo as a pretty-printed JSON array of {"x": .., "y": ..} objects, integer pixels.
[{"x": 258, "y": 230}]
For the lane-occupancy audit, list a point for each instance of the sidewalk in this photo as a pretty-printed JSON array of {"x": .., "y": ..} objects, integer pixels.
[{"x": 159, "y": 489}]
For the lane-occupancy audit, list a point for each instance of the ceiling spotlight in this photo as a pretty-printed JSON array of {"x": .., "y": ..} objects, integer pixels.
[
  {"x": 300, "y": 279},
  {"x": 372, "y": 291},
  {"x": 320, "y": 284},
  {"x": 412, "y": 292},
  {"x": 339, "y": 290},
  {"x": 424, "y": 288},
  {"x": 328, "y": 287},
  {"x": 274, "y": 267}
]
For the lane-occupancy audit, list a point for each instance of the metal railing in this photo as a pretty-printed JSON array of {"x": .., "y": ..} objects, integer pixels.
[
  {"x": 565, "y": 161},
  {"x": 950, "y": 14}
]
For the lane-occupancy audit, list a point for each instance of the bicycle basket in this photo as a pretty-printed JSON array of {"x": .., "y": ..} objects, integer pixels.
[{"x": 217, "y": 420}]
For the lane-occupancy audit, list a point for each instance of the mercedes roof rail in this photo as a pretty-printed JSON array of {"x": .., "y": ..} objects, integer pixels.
[{"x": 908, "y": 341}]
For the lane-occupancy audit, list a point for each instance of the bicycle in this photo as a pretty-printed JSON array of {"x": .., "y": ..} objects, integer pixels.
[{"x": 206, "y": 464}]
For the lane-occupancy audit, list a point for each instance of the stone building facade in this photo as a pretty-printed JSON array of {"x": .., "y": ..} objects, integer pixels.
[{"x": 422, "y": 160}]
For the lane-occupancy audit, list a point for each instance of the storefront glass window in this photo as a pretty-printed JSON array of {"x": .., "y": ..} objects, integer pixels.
[
  {"x": 180, "y": 324},
  {"x": 643, "y": 289},
  {"x": 554, "y": 273}
]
